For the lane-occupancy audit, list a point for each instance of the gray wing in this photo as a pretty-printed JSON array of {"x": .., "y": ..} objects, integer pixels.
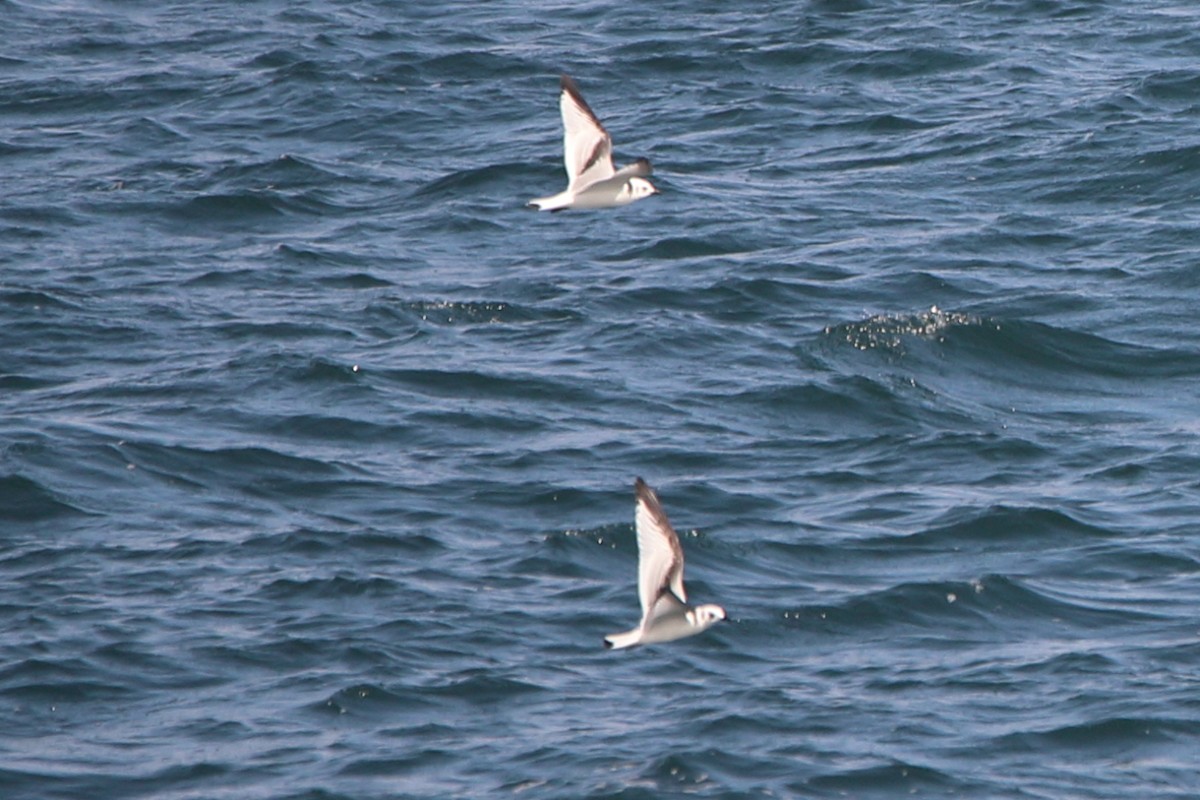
[
  {"x": 668, "y": 605},
  {"x": 587, "y": 147},
  {"x": 660, "y": 556}
]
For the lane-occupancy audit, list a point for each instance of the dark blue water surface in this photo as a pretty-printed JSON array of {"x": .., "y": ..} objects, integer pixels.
[{"x": 317, "y": 448}]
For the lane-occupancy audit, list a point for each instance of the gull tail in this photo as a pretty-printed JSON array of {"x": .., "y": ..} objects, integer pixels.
[{"x": 619, "y": 641}]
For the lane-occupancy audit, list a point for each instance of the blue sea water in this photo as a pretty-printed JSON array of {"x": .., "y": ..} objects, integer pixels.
[{"x": 317, "y": 448}]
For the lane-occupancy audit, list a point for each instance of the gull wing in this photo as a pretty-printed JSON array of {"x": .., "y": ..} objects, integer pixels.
[
  {"x": 587, "y": 147},
  {"x": 668, "y": 606},
  {"x": 660, "y": 556},
  {"x": 641, "y": 168}
]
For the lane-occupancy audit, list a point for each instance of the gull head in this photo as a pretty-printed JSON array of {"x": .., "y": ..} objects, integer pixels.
[
  {"x": 704, "y": 617},
  {"x": 637, "y": 188}
]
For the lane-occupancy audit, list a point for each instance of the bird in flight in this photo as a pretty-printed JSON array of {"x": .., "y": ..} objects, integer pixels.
[
  {"x": 666, "y": 616},
  {"x": 592, "y": 180}
]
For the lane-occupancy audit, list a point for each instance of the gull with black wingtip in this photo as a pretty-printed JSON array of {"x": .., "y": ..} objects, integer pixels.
[
  {"x": 666, "y": 616},
  {"x": 593, "y": 180}
]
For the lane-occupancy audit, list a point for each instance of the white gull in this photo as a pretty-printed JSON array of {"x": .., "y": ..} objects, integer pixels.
[
  {"x": 666, "y": 616},
  {"x": 593, "y": 181}
]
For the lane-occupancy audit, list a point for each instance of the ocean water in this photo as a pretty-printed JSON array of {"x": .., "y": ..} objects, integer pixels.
[{"x": 317, "y": 448}]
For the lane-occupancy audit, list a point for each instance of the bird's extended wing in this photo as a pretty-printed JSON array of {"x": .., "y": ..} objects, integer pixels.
[
  {"x": 587, "y": 147},
  {"x": 660, "y": 557}
]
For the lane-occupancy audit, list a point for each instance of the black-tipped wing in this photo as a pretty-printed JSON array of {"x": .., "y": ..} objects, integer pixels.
[
  {"x": 640, "y": 168},
  {"x": 587, "y": 147},
  {"x": 660, "y": 556}
]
